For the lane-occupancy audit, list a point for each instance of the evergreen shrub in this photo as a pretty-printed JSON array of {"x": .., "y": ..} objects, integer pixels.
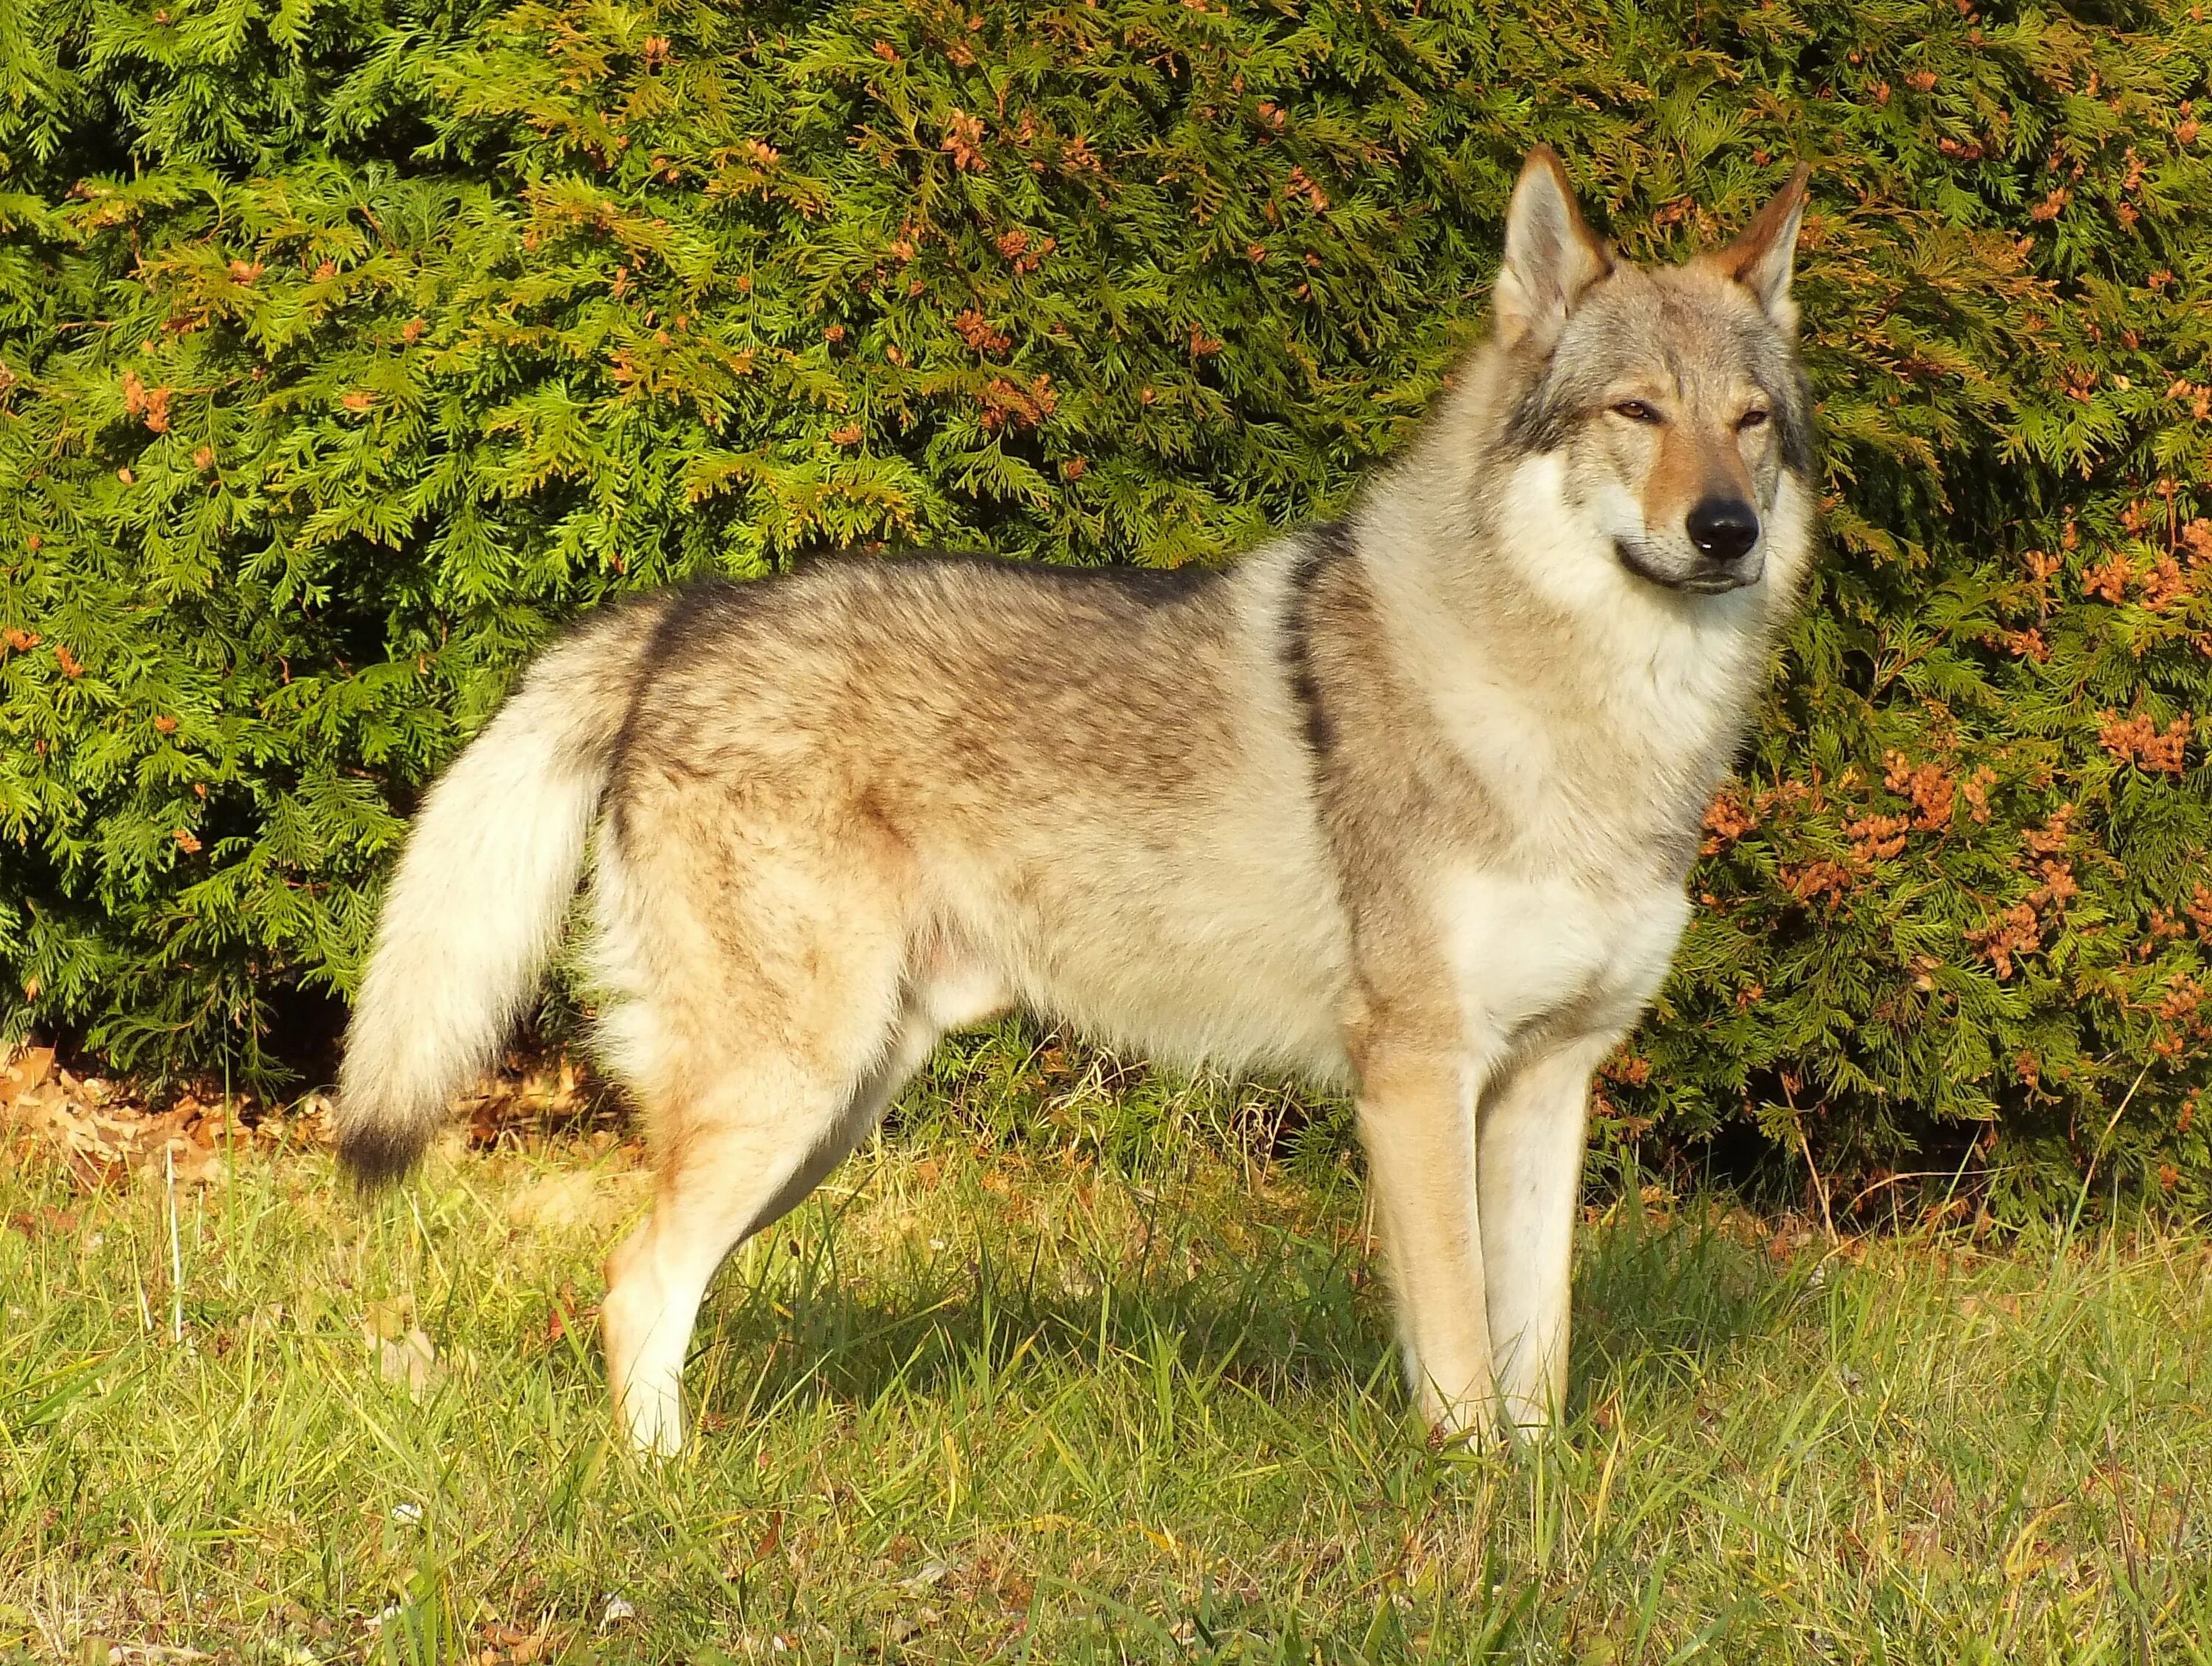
[{"x": 348, "y": 347}]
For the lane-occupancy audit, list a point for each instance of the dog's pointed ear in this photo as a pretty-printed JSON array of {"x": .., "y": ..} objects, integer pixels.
[
  {"x": 1551, "y": 256},
  {"x": 1762, "y": 259}
]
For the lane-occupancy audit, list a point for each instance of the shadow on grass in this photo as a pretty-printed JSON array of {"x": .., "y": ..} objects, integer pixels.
[
  {"x": 1655, "y": 1305},
  {"x": 1294, "y": 1319}
]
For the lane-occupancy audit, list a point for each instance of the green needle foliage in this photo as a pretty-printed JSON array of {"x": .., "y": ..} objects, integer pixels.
[{"x": 348, "y": 348}]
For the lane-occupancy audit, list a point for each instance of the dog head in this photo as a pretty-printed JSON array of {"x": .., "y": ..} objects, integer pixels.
[{"x": 1669, "y": 403}]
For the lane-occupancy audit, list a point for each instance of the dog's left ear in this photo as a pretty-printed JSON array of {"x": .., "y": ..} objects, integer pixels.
[{"x": 1762, "y": 259}]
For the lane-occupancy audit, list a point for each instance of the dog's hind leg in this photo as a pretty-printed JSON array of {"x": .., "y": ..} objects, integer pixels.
[
  {"x": 753, "y": 1145},
  {"x": 762, "y": 1023},
  {"x": 758, "y": 1132}
]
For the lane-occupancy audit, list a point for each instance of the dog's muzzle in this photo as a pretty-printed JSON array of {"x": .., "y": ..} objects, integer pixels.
[{"x": 1709, "y": 577}]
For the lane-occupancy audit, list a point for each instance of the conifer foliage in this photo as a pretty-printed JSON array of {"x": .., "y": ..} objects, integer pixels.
[{"x": 347, "y": 348}]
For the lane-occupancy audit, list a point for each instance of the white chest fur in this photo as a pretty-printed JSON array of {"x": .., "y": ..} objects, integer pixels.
[{"x": 1524, "y": 950}]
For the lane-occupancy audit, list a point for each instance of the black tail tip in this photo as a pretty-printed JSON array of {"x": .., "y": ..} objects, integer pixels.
[{"x": 378, "y": 1158}]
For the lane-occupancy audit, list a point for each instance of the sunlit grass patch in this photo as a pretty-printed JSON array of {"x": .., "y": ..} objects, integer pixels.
[{"x": 974, "y": 1402}]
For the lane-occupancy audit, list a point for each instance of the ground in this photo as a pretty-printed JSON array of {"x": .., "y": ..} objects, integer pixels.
[{"x": 1010, "y": 1399}]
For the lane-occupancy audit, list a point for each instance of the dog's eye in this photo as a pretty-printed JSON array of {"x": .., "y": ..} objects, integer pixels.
[
  {"x": 1752, "y": 419},
  {"x": 1636, "y": 411}
]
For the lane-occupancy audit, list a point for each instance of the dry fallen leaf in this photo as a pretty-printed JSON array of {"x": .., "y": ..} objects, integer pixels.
[
  {"x": 25, "y": 1073},
  {"x": 387, "y": 1321},
  {"x": 510, "y": 1646},
  {"x": 412, "y": 1360}
]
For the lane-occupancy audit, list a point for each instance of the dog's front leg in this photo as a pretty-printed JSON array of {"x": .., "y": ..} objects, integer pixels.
[
  {"x": 1528, "y": 1179},
  {"x": 1417, "y": 1120}
]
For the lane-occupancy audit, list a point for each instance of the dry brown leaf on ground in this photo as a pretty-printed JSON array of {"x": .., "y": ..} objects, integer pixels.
[
  {"x": 412, "y": 1359},
  {"x": 510, "y": 1646},
  {"x": 106, "y": 1131},
  {"x": 24, "y": 1074}
]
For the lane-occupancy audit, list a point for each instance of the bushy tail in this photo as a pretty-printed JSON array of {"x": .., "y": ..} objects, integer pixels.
[{"x": 473, "y": 912}]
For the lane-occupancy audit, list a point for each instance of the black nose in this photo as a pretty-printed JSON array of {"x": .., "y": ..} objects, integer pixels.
[{"x": 1724, "y": 527}]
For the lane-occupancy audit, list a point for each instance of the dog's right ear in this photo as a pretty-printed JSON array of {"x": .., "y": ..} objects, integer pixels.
[{"x": 1551, "y": 253}]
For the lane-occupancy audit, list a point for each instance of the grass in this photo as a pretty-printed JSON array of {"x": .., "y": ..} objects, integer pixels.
[{"x": 978, "y": 1402}]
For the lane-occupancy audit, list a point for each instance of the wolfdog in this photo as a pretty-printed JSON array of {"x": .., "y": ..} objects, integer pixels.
[{"x": 1405, "y": 804}]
